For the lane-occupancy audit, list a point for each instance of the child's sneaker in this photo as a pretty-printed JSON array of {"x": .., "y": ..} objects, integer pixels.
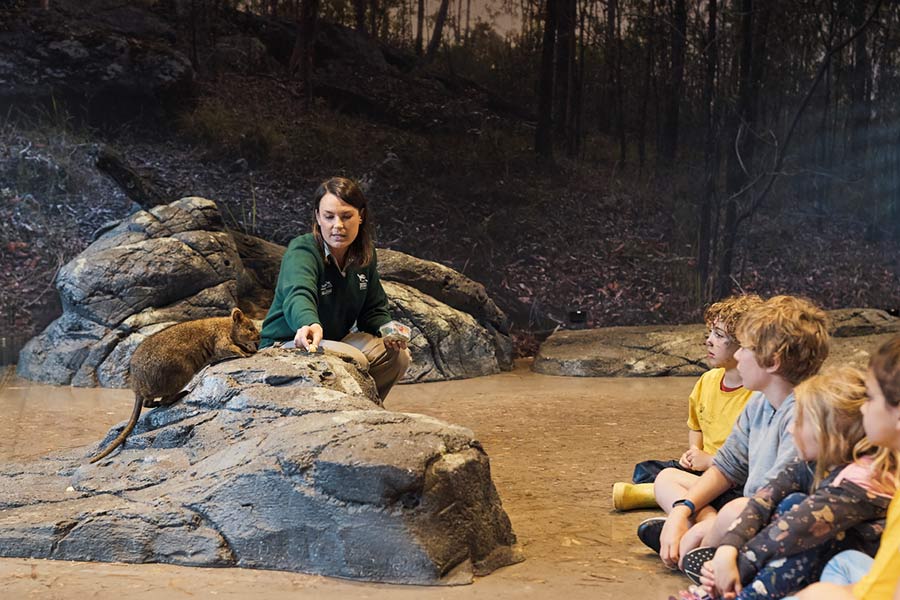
[
  {"x": 694, "y": 560},
  {"x": 649, "y": 531},
  {"x": 692, "y": 593}
]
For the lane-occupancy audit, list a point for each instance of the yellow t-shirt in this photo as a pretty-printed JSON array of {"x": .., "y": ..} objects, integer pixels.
[
  {"x": 881, "y": 580},
  {"x": 713, "y": 411}
]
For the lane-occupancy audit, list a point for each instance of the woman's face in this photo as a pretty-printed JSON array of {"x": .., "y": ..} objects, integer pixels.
[
  {"x": 805, "y": 437},
  {"x": 880, "y": 420},
  {"x": 339, "y": 222}
]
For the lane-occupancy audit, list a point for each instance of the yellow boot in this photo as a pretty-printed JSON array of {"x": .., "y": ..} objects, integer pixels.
[{"x": 628, "y": 496}]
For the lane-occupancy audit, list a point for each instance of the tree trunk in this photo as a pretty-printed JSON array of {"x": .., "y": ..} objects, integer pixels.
[
  {"x": 741, "y": 137},
  {"x": 858, "y": 92},
  {"x": 645, "y": 88},
  {"x": 706, "y": 239},
  {"x": 435, "y": 42},
  {"x": 373, "y": 18},
  {"x": 543, "y": 139},
  {"x": 359, "y": 7},
  {"x": 302, "y": 56},
  {"x": 565, "y": 40},
  {"x": 468, "y": 17},
  {"x": 674, "y": 83},
  {"x": 420, "y": 26},
  {"x": 620, "y": 93},
  {"x": 607, "y": 102}
]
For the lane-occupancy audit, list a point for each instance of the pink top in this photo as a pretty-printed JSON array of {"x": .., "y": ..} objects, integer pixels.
[{"x": 860, "y": 473}]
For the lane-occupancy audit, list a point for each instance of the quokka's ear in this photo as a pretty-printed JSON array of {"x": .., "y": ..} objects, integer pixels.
[{"x": 236, "y": 314}]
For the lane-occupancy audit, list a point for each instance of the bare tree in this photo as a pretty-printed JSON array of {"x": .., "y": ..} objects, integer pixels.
[
  {"x": 543, "y": 139},
  {"x": 674, "y": 81},
  {"x": 435, "y": 42}
]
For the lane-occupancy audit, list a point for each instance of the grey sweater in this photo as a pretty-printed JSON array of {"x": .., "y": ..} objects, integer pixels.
[{"x": 760, "y": 445}]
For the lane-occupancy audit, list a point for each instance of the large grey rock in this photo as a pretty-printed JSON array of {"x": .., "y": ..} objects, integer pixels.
[
  {"x": 178, "y": 262},
  {"x": 279, "y": 461},
  {"x": 660, "y": 350},
  {"x": 173, "y": 263},
  {"x": 446, "y": 343}
]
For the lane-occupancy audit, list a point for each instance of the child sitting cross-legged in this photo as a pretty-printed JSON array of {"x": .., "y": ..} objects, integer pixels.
[
  {"x": 853, "y": 575},
  {"x": 833, "y": 497},
  {"x": 715, "y": 402}
]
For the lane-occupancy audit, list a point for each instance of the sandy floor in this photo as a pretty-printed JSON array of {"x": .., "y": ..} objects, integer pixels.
[{"x": 556, "y": 447}]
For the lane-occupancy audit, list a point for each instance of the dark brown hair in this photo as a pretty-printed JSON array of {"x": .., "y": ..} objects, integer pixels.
[
  {"x": 362, "y": 249},
  {"x": 885, "y": 365}
]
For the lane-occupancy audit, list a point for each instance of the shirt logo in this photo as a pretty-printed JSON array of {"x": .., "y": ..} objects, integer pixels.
[
  {"x": 363, "y": 282},
  {"x": 325, "y": 289}
]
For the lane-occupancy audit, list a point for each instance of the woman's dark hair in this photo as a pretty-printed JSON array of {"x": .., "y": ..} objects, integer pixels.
[
  {"x": 885, "y": 365},
  {"x": 362, "y": 249}
]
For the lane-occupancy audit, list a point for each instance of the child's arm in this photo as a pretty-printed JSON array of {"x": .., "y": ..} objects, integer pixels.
[
  {"x": 695, "y": 439},
  {"x": 796, "y": 477},
  {"x": 818, "y": 519},
  {"x": 707, "y": 488},
  {"x": 695, "y": 445}
]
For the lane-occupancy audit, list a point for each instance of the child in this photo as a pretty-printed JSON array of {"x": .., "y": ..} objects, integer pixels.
[
  {"x": 716, "y": 401},
  {"x": 783, "y": 341},
  {"x": 849, "y": 483},
  {"x": 852, "y": 575}
]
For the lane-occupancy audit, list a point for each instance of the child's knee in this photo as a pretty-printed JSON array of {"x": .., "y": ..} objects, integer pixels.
[{"x": 694, "y": 537}]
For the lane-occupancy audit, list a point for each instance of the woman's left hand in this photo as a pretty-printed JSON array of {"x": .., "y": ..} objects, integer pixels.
[{"x": 395, "y": 345}]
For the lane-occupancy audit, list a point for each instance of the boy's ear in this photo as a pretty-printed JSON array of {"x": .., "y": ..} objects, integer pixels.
[{"x": 776, "y": 365}]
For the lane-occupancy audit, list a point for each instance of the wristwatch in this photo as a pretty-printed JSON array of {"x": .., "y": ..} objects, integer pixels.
[{"x": 688, "y": 503}]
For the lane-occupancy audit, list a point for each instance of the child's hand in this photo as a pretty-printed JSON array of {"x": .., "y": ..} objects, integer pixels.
[
  {"x": 670, "y": 538},
  {"x": 698, "y": 459},
  {"x": 695, "y": 459},
  {"x": 720, "y": 576}
]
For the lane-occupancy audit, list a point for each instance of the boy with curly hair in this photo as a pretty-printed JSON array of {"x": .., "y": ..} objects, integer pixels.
[{"x": 715, "y": 402}]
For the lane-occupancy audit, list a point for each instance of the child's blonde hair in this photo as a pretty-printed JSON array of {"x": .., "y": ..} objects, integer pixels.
[
  {"x": 729, "y": 311},
  {"x": 830, "y": 404},
  {"x": 788, "y": 330}
]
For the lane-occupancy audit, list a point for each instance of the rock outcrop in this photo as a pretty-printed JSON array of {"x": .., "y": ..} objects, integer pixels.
[
  {"x": 284, "y": 461},
  {"x": 659, "y": 350},
  {"x": 178, "y": 262}
]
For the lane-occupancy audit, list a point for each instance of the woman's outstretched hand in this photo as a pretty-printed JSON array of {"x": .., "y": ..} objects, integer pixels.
[{"x": 309, "y": 337}]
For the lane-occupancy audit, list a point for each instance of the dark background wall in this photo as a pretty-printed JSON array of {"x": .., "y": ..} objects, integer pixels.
[{"x": 632, "y": 159}]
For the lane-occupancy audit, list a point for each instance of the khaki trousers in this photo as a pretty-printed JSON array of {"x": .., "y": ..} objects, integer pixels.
[{"x": 385, "y": 366}]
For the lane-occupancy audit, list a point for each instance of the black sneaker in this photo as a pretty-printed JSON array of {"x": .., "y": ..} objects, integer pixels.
[
  {"x": 649, "y": 531},
  {"x": 693, "y": 561}
]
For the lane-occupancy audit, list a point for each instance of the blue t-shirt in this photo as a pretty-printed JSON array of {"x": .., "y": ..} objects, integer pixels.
[{"x": 760, "y": 445}]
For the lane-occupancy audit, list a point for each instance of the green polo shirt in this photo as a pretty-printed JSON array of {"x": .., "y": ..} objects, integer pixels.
[{"x": 312, "y": 289}]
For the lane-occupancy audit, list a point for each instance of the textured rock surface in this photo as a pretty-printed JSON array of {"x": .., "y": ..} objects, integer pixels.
[
  {"x": 279, "y": 461},
  {"x": 178, "y": 262},
  {"x": 678, "y": 349}
]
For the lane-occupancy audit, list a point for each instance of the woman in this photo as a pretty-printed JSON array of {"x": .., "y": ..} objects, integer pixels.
[{"x": 329, "y": 282}]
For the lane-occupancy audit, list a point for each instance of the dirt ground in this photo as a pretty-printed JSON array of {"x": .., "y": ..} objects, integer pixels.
[{"x": 556, "y": 445}]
